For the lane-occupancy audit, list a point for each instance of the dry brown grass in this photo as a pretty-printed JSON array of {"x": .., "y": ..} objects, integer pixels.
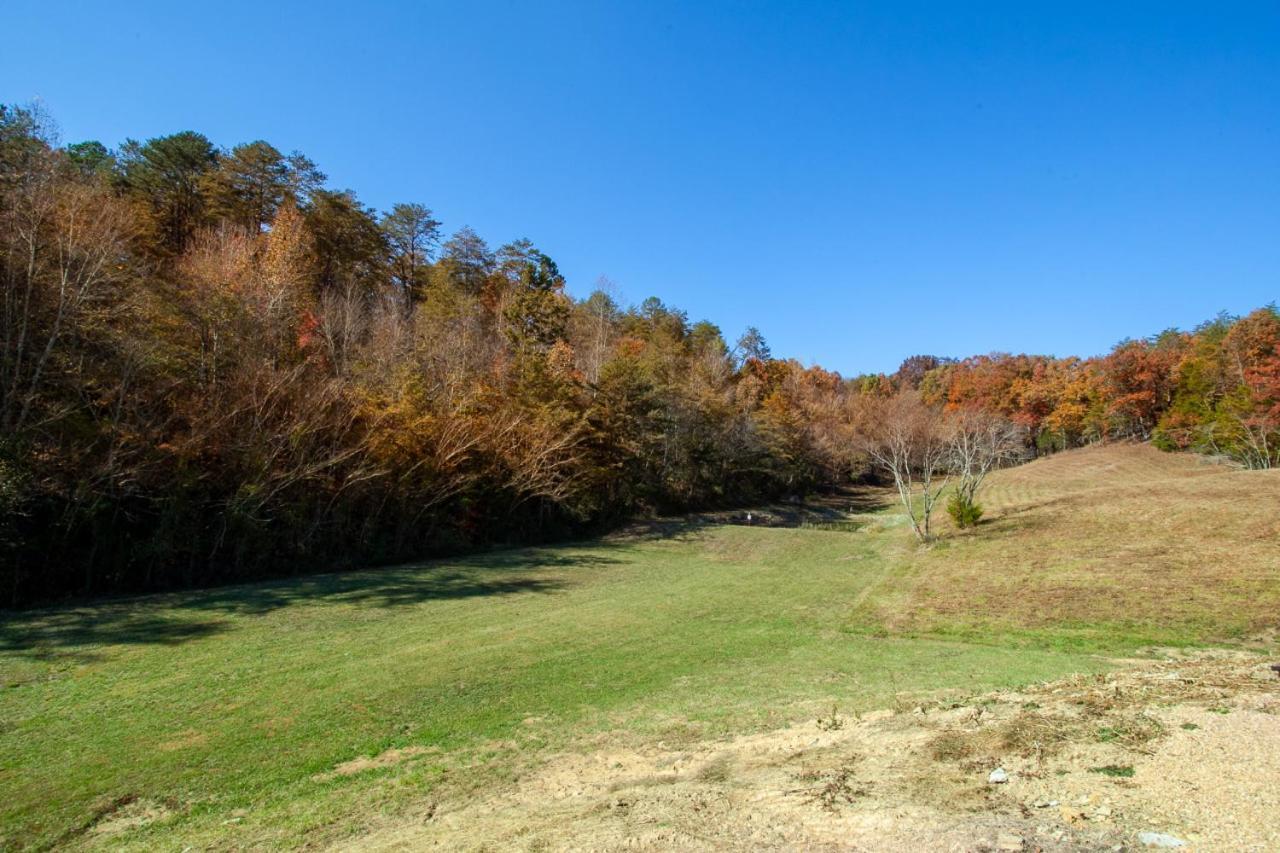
[
  {"x": 1166, "y": 548},
  {"x": 1027, "y": 733}
]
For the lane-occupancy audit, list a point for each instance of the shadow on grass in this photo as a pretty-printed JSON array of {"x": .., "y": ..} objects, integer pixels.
[
  {"x": 71, "y": 633},
  {"x": 828, "y": 511},
  {"x": 1020, "y": 521}
]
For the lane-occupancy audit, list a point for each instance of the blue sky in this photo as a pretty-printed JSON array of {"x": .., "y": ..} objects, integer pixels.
[{"x": 863, "y": 181}]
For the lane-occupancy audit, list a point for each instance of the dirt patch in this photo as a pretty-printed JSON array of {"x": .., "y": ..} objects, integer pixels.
[
  {"x": 1221, "y": 781},
  {"x": 1088, "y": 763},
  {"x": 388, "y": 758},
  {"x": 128, "y": 814}
]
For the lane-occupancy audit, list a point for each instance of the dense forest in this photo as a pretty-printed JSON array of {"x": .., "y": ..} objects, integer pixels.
[{"x": 215, "y": 366}]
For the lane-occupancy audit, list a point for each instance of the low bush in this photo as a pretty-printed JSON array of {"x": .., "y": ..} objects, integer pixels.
[{"x": 963, "y": 511}]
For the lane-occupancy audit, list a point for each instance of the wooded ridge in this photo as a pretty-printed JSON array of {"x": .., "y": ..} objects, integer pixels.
[{"x": 213, "y": 366}]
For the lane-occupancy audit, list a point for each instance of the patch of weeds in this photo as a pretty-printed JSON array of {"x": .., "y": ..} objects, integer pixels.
[
  {"x": 1221, "y": 709},
  {"x": 1027, "y": 733},
  {"x": 950, "y": 746},
  {"x": 716, "y": 771},
  {"x": 1132, "y": 731},
  {"x": 839, "y": 788},
  {"x": 1035, "y": 734},
  {"x": 1117, "y": 771},
  {"x": 832, "y": 723},
  {"x": 1191, "y": 727},
  {"x": 1031, "y": 706}
]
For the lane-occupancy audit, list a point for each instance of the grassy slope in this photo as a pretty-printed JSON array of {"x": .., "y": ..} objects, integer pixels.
[
  {"x": 228, "y": 708},
  {"x": 1101, "y": 548}
]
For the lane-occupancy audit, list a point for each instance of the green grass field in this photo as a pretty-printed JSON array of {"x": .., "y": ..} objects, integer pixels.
[{"x": 217, "y": 718}]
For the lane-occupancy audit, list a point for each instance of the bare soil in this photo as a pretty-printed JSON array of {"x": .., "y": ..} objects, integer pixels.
[{"x": 1187, "y": 746}]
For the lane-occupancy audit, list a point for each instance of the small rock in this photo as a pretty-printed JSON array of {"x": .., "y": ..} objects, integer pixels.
[
  {"x": 1103, "y": 811},
  {"x": 998, "y": 776},
  {"x": 1159, "y": 839}
]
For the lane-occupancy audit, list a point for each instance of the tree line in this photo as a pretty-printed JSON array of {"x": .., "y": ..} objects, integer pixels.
[{"x": 214, "y": 366}]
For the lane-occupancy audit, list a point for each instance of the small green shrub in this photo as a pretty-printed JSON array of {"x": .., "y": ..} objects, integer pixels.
[
  {"x": 963, "y": 511},
  {"x": 1051, "y": 442}
]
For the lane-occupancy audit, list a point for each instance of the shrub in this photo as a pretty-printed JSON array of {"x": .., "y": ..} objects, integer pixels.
[
  {"x": 1050, "y": 441},
  {"x": 963, "y": 511}
]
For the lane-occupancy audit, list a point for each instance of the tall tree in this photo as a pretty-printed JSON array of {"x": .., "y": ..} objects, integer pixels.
[
  {"x": 413, "y": 234},
  {"x": 304, "y": 178},
  {"x": 594, "y": 327},
  {"x": 249, "y": 185},
  {"x": 468, "y": 260},
  {"x": 913, "y": 369},
  {"x": 1139, "y": 383},
  {"x": 752, "y": 347},
  {"x": 350, "y": 248},
  {"x": 166, "y": 175},
  {"x": 537, "y": 314},
  {"x": 91, "y": 159}
]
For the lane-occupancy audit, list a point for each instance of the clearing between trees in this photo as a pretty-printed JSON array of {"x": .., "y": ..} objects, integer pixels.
[{"x": 705, "y": 684}]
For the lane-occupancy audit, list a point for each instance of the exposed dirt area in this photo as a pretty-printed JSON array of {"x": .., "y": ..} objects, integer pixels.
[
  {"x": 388, "y": 758},
  {"x": 122, "y": 816},
  {"x": 1187, "y": 747}
]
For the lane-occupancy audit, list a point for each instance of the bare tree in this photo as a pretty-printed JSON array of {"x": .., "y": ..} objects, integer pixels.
[
  {"x": 1257, "y": 437},
  {"x": 543, "y": 457},
  {"x": 62, "y": 254},
  {"x": 908, "y": 439},
  {"x": 978, "y": 443},
  {"x": 342, "y": 321},
  {"x": 1251, "y": 421},
  {"x": 593, "y": 329}
]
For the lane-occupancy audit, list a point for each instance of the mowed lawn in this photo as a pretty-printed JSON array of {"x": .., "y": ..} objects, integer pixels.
[{"x": 237, "y": 717}]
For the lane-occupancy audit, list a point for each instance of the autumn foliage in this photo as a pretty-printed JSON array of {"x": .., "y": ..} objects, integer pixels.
[{"x": 214, "y": 367}]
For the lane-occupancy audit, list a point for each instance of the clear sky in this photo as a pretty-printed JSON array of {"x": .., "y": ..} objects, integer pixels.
[{"x": 863, "y": 181}]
